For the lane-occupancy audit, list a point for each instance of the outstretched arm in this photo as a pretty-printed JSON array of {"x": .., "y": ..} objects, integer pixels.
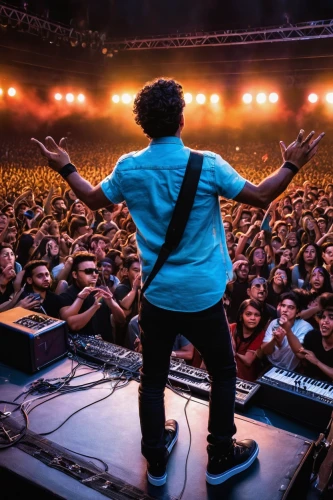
[
  {"x": 295, "y": 156},
  {"x": 58, "y": 158}
]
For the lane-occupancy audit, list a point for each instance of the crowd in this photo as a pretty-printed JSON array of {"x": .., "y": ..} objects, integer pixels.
[{"x": 62, "y": 259}]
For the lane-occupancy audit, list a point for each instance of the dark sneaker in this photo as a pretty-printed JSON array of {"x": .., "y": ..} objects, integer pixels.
[
  {"x": 156, "y": 472},
  {"x": 239, "y": 457}
]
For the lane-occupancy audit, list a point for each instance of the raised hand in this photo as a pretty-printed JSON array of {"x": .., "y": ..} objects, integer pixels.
[
  {"x": 301, "y": 151},
  {"x": 56, "y": 155}
]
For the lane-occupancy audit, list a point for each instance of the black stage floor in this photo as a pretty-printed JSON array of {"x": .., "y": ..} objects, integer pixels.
[{"x": 106, "y": 426}]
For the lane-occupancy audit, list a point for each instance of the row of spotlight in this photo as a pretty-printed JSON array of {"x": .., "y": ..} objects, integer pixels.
[
  {"x": 260, "y": 98},
  {"x": 202, "y": 98},
  {"x": 247, "y": 98}
]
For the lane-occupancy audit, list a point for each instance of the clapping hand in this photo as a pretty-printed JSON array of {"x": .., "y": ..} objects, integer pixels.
[{"x": 103, "y": 293}]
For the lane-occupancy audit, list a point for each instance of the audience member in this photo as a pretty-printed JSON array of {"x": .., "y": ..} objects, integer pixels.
[
  {"x": 285, "y": 335},
  {"x": 247, "y": 335},
  {"x": 88, "y": 309}
]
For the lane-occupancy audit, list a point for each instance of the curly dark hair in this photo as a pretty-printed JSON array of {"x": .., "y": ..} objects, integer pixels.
[{"x": 158, "y": 107}]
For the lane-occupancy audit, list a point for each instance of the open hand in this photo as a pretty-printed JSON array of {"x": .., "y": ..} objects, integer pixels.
[
  {"x": 301, "y": 151},
  {"x": 56, "y": 155}
]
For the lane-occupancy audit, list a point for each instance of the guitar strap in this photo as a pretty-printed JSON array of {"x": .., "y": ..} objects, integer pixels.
[{"x": 180, "y": 214}]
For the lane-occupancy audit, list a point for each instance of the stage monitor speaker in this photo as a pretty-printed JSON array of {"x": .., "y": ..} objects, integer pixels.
[{"x": 30, "y": 340}]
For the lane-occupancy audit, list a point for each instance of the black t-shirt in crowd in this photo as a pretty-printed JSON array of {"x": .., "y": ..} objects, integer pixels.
[
  {"x": 99, "y": 324},
  {"x": 121, "y": 291},
  {"x": 313, "y": 342},
  {"x": 5, "y": 295}
]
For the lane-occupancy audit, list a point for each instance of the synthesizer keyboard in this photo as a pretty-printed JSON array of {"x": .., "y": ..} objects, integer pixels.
[
  {"x": 302, "y": 398},
  {"x": 194, "y": 379}
]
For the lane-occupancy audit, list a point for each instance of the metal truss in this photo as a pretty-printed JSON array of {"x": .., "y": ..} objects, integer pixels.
[
  {"x": 286, "y": 33},
  {"x": 22, "y": 21}
]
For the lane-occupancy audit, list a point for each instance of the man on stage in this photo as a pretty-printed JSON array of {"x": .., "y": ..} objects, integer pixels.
[{"x": 181, "y": 298}]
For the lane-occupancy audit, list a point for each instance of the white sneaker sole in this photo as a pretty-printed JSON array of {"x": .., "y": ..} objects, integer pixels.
[
  {"x": 221, "y": 478},
  {"x": 157, "y": 481},
  {"x": 161, "y": 480}
]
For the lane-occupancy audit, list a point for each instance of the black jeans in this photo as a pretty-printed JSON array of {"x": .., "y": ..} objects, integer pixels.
[{"x": 208, "y": 331}]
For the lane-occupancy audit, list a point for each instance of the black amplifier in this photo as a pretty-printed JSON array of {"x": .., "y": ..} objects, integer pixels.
[{"x": 29, "y": 340}]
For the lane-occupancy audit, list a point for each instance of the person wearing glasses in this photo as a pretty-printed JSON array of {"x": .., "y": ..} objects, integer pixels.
[{"x": 87, "y": 308}]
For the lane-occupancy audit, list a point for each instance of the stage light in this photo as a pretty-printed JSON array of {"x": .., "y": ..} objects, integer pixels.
[
  {"x": 237, "y": 148},
  {"x": 81, "y": 98},
  {"x": 69, "y": 97},
  {"x": 104, "y": 50},
  {"x": 247, "y": 98},
  {"x": 115, "y": 98},
  {"x": 273, "y": 97},
  {"x": 11, "y": 92},
  {"x": 329, "y": 97},
  {"x": 188, "y": 98},
  {"x": 201, "y": 98},
  {"x": 214, "y": 98},
  {"x": 261, "y": 98},
  {"x": 1, "y": 92},
  {"x": 74, "y": 43},
  {"x": 313, "y": 98},
  {"x": 126, "y": 98},
  {"x": 58, "y": 96}
]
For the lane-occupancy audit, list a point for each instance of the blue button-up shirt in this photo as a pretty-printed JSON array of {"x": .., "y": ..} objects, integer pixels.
[{"x": 195, "y": 275}]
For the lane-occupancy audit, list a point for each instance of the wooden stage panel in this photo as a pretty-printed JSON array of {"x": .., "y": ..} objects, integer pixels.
[{"x": 110, "y": 430}]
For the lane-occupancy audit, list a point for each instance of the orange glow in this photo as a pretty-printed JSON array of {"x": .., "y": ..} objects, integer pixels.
[
  {"x": 273, "y": 97},
  {"x": 58, "y": 96},
  {"x": 313, "y": 98},
  {"x": 1, "y": 92},
  {"x": 126, "y": 98},
  {"x": 11, "y": 92},
  {"x": 69, "y": 97},
  {"x": 188, "y": 98},
  {"x": 247, "y": 98},
  {"x": 329, "y": 97},
  {"x": 201, "y": 98},
  {"x": 214, "y": 98},
  {"x": 261, "y": 98},
  {"x": 81, "y": 98},
  {"x": 115, "y": 98}
]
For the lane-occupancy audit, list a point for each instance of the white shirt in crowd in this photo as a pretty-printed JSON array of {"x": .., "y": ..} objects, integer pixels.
[{"x": 283, "y": 357}]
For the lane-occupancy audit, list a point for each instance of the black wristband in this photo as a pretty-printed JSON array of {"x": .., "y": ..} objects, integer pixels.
[
  {"x": 66, "y": 170},
  {"x": 291, "y": 167}
]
